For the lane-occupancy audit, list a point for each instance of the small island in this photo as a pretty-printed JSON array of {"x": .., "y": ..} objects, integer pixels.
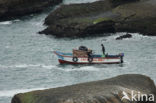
[{"x": 104, "y": 16}]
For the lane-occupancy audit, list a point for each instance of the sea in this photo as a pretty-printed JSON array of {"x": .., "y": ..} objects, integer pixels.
[{"x": 27, "y": 61}]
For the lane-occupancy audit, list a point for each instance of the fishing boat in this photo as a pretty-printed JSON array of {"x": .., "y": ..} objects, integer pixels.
[{"x": 84, "y": 58}]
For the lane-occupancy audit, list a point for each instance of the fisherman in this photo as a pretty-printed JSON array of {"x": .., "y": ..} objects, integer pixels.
[{"x": 103, "y": 50}]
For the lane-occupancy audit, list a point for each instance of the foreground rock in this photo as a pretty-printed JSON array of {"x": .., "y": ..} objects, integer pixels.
[
  {"x": 101, "y": 17},
  {"x": 14, "y": 8},
  {"x": 104, "y": 91}
]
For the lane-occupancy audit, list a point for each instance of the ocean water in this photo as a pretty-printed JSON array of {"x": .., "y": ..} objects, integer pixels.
[{"x": 27, "y": 62}]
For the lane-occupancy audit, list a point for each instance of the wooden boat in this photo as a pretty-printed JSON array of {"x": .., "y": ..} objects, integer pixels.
[{"x": 68, "y": 58}]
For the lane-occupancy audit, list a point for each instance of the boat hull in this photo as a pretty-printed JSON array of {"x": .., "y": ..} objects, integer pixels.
[
  {"x": 68, "y": 62},
  {"x": 67, "y": 58}
]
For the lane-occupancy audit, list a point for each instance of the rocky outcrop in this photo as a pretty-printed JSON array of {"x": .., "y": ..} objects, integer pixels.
[
  {"x": 104, "y": 91},
  {"x": 102, "y": 16},
  {"x": 124, "y": 36},
  {"x": 15, "y": 8}
]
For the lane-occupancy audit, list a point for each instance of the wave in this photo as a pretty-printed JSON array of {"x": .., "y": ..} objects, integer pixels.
[
  {"x": 11, "y": 93},
  {"x": 9, "y": 22},
  {"x": 85, "y": 68},
  {"x": 135, "y": 36},
  {"x": 27, "y": 65},
  {"x": 6, "y": 23},
  {"x": 68, "y": 69}
]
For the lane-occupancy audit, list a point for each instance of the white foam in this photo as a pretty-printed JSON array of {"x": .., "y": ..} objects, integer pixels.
[
  {"x": 135, "y": 36},
  {"x": 70, "y": 68},
  {"x": 88, "y": 68},
  {"x": 84, "y": 68},
  {"x": 28, "y": 65},
  {"x": 10, "y": 93},
  {"x": 6, "y": 23},
  {"x": 48, "y": 66}
]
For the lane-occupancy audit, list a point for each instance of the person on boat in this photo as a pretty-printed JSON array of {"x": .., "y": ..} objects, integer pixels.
[
  {"x": 103, "y": 50},
  {"x": 89, "y": 54}
]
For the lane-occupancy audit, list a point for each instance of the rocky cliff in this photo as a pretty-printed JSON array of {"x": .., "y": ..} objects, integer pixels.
[
  {"x": 104, "y": 91},
  {"x": 15, "y": 8},
  {"x": 101, "y": 17}
]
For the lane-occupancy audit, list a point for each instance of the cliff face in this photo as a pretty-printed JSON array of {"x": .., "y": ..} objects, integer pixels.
[
  {"x": 101, "y": 17},
  {"x": 14, "y": 8},
  {"x": 105, "y": 91}
]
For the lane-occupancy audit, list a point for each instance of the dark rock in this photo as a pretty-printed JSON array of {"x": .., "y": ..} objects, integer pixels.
[
  {"x": 16, "y": 8},
  {"x": 79, "y": 29},
  {"x": 137, "y": 17},
  {"x": 124, "y": 36},
  {"x": 101, "y": 17},
  {"x": 103, "y": 91},
  {"x": 120, "y": 2}
]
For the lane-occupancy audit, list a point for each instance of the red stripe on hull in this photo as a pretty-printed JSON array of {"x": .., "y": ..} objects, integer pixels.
[{"x": 67, "y": 62}]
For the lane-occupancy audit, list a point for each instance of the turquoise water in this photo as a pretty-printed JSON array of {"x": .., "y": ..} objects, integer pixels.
[{"x": 27, "y": 62}]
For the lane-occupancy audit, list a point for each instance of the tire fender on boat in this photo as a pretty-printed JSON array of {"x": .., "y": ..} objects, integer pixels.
[
  {"x": 90, "y": 60},
  {"x": 75, "y": 59}
]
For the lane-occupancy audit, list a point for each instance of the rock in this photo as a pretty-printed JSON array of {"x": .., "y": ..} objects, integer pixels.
[
  {"x": 104, "y": 91},
  {"x": 102, "y": 16},
  {"x": 78, "y": 30},
  {"x": 137, "y": 17},
  {"x": 124, "y": 36},
  {"x": 16, "y": 8}
]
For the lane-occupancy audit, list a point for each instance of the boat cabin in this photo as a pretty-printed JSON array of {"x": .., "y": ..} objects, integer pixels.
[{"x": 82, "y": 51}]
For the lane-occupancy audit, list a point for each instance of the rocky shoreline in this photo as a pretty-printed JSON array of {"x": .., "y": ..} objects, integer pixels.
[
  {"x": 104, "y": 91},
  {"x": 105, "y": 16},
  {"x": 10, "y": 9}
]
